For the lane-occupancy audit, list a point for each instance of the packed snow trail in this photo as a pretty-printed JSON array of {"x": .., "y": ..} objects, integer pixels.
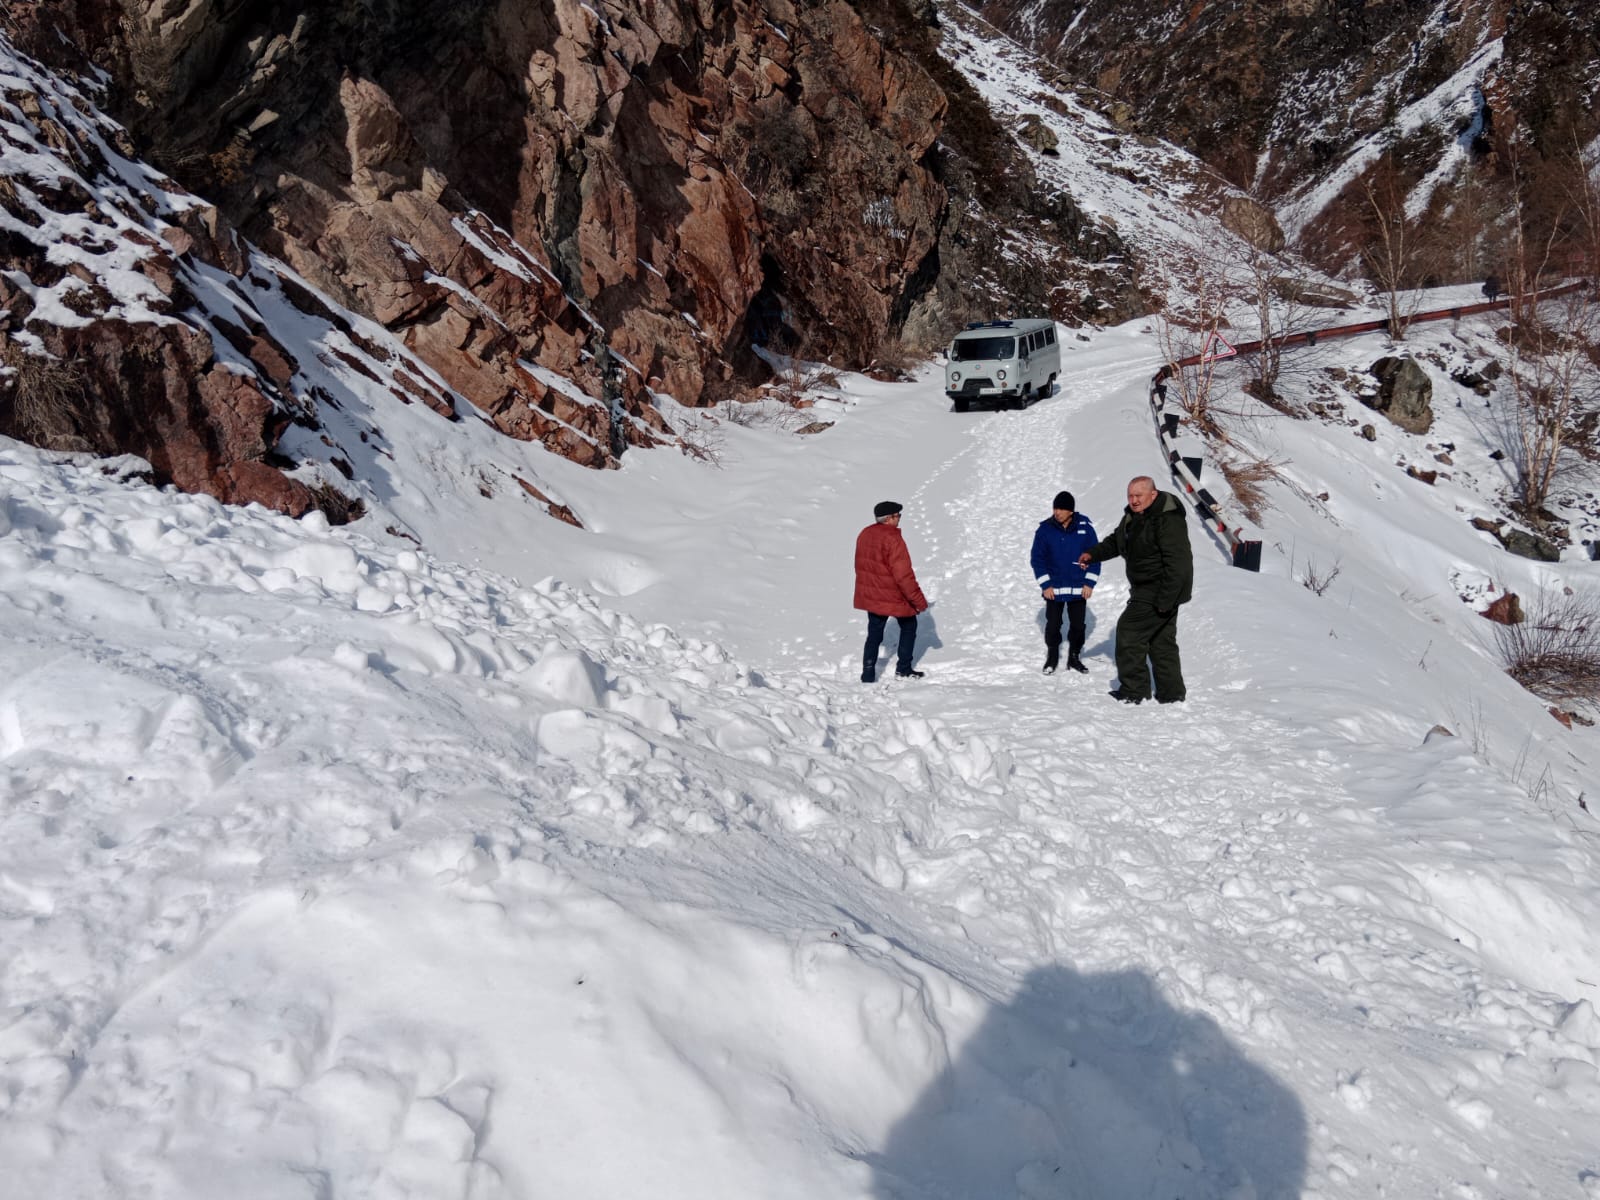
[
  {"x": 330, "y": 868},
  {"x": 1285, "y": 872}
]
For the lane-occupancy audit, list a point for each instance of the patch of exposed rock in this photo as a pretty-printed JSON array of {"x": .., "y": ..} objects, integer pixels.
[
  {"x": 1278, "y": 94},
  {"x": 1405, "y": 394},
  {"x": 494, "y": 183}
]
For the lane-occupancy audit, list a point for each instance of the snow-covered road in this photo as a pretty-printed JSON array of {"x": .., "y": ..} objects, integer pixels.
[{"x": 332, "y": 869}]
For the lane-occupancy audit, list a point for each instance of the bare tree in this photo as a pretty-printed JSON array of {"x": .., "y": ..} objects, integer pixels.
[
  {"x": 1554, "y": 379},
  {"x": 1583, "y": 192},
  {"x": 1182, "y": 338},
  {"x": 1394, "y": 253},
  {"x": 1554, "y": 339},
  {"x": 1273, "y": 291},
  {"x": 1235, "y": 274},
  {"x": 1462, "y": 230}
]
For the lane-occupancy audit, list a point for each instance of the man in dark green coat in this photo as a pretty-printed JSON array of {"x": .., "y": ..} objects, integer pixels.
[{"x": 1153, "y": 540}]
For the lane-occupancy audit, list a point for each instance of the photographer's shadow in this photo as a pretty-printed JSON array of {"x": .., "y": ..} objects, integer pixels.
[{"x": 1094, "y": 1086}]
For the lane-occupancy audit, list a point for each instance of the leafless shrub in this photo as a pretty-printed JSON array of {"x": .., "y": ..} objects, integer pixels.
[
  {"x": 1394, "y": 252},
  {"x": 760, "y": 413},
  {"x": 336, "y": 506},
  {"x": 45, "y": 394},
  {"x": 894, "y": 358},
  {"x": 1555, "y": 653},
  {"x": 1246, "y": 477},
  {"x": 1554, "y": 384},
  {"x": 701, "y": 439},
  {"x": 1316, "y": 579},
  {"x": 795, "y": 376}
]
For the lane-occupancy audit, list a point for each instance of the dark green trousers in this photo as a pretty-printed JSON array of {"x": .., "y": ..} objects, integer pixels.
[{"x": 1143, "y": 634}]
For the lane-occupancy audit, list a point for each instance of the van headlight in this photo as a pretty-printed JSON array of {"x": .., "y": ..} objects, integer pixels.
[
  {"x": 1000, "y": 374},
  {"x": 955, "y": 376}
]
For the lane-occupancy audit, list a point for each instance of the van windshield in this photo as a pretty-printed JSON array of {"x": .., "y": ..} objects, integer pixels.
[{"x": 971, "y": 349}]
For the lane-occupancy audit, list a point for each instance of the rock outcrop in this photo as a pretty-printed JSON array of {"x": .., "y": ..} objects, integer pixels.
[
  {"x": 1405, "y": 394},
  {"x": 97, "y": 276},
  {"x": 511, "y": 193},
  {"x": 498, "y": 183},
  {"x": 1277, "y": 95}
]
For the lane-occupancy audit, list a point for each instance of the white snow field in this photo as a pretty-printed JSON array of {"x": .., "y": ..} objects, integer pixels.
[{"x": 330, "y": 868}]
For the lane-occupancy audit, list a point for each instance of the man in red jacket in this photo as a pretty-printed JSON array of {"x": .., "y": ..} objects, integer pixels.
[{"x": 886, "y": 586}]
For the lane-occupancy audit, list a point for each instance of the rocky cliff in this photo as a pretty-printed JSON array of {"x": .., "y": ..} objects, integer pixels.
[
  {"x": 502, "y": 188},
  {"x": 1295, "y": 99},
  {"x": 678, "y": 176}
]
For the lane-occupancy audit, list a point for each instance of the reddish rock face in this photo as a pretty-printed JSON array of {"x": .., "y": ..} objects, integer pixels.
[
  {"x": 506, "y": 187},
  {"x": 1505, "y": 610},
  {"x": 104, "y": 354},
  {"x": 497, "y": 183}
]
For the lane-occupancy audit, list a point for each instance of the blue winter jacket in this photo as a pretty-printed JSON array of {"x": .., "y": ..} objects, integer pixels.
[{"x": 1055, "y": 556}]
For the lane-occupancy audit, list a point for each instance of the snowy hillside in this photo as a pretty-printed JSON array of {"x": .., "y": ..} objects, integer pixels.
[
  {"x": 1160, "y": 199},
  {"x": 462, "y": 852},
  {"x": 332, "y": 868}
]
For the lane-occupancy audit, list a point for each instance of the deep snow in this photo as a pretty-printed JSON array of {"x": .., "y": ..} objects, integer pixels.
[
  {"x": 520, "y": 860},
  {"x": 331, "y": 868}
]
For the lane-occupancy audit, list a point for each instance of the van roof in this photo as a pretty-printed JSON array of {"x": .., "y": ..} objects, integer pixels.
[{"x": 1021, "y": 324}]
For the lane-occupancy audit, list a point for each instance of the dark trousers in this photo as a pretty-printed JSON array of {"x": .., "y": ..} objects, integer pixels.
[
  {"x": 876, "y": 623},
  {"x": 1075, "y": 607},
  {"x": 1144, "y": 634}
]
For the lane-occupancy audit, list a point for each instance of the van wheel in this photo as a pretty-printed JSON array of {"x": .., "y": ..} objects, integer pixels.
[
  {"x": 1050, "y": 386},
  {"x": 1025, "y": 397},
  {"x": 960, "y": 403}
]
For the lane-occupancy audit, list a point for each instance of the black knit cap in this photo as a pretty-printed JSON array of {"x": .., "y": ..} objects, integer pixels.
[
  {"x": 1065, "y": 502},
  {"x": 885, "y": 508}
]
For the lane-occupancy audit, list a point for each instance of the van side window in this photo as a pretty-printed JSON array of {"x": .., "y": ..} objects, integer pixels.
[{"x": 1050, "y": 337}]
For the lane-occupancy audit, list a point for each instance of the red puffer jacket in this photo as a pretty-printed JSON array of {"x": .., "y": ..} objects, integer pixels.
[{"x": 885, "y": 582}]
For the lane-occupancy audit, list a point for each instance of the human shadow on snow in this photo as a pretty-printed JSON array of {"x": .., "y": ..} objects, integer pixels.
[
  {"x": 927, "y": 638},
  {"x": 1089, "y": 624},
  {"x": 1093, "y": 1086}
]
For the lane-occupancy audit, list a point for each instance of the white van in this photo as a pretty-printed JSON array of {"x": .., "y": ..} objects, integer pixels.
[{"x": 1012, "y": 363}]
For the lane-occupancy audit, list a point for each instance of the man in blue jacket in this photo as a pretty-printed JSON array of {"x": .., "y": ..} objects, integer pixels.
[{"x": 1061, "y": 540}]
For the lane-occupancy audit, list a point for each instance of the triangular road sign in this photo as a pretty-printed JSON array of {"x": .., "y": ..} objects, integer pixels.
[{"x": 1216, "y": 347}]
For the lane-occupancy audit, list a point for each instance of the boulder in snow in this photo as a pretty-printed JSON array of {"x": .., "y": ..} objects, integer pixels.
[{"x": 1405, "y": 394}]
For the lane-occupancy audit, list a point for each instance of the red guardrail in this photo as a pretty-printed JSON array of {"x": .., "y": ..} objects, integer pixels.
[
  {"x": 1311, "y": 337},
  {"x": 1185, "y": 472}
]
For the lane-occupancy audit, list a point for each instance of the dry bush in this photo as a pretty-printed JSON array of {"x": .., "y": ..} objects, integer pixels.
[
  {"x": 1555, "y": 653},
  {"x": 748, "y": 414},
  {"x": 45, "y": 395},
  {"x": 339, "y": 508},
  {"x": 894, "y": 357},
  {"x": 1316, "y": 579},
  {"x": 701, "y": 438},
  {"x": 794, "y": 376},
  {"x": 1246, "y": 477}
]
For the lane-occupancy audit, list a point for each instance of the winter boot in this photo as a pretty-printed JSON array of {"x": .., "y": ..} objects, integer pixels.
[
  {"x": 1050, "y": 662},
  {"x": 1123, "y": 696},
  {"x": 1076, "y": 664},
  {"x": 868, "y": 675},
  {"x": 909, "y": 674}
]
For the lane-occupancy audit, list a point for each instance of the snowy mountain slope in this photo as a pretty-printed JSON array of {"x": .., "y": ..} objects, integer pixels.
[
  {"x": 331, "y": 866},
  {"x": 1156, "y": 196},
  {"x": 1456, "y": 104}
]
